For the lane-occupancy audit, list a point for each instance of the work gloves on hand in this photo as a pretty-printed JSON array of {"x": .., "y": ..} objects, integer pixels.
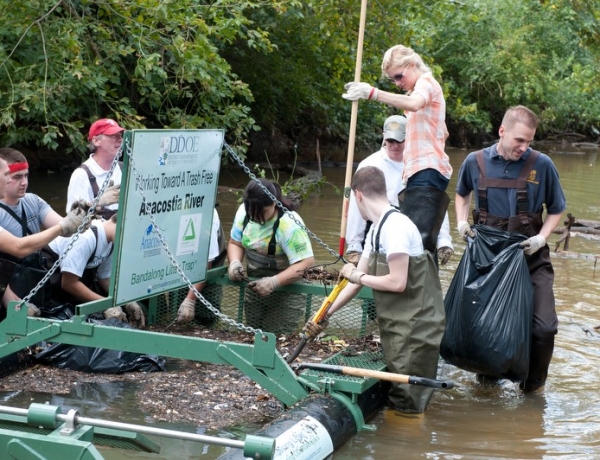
[
  {"x": 264, "y": 286},
  {"x": 135, "y": 315},
  {"x": 351, "y": 273},
  {"x": 74, "y": 218},
  {"x": 187, "y": 311},
  {"x": 352, "y": 257},
  {"x": 236, "y": 271},
  {"x": 116, "y": 313},
  {"x": 359, "y": 90},
  {"x": 533, "y": 244},
  {"x": 465, "y": 230},
  {"x": 444, "y": 254},
  {"x": 313, "y": 329},
  {"x": 110, "y": 195}
]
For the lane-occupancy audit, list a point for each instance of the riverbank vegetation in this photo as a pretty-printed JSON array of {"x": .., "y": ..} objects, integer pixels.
[{"x": 271, "y": 72}]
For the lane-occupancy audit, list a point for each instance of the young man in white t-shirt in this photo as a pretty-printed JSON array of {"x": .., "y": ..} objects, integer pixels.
[
  {"x": 406, "y": 289},
  {"x": 93, "y": 251}
]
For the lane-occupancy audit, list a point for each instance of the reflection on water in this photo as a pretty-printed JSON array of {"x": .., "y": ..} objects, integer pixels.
[{"x": 470, "y": 421}]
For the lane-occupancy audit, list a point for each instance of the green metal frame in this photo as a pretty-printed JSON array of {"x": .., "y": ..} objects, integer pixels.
[{"x": 260, "y": 361}]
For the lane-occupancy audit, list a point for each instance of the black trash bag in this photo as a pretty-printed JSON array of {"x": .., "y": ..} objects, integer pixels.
[
  {"x": 27, "y": 275},
  {"x": 489, "y": 307},
  {"x": 61, "y": 312},
  {"x": 98, "y": 360}
]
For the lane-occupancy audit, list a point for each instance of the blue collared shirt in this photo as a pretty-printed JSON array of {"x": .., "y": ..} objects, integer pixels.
[{"x": 543, "y": 185}]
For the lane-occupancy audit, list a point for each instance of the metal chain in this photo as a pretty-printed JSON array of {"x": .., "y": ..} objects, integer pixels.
[
  {"x": 174, "y": 263},
  {"x": 252, "y": 176},
  {"x": 84, "y": 225}
]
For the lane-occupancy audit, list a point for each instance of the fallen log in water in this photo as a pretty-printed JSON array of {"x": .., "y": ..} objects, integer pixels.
[{"x": 573, "y": 225}]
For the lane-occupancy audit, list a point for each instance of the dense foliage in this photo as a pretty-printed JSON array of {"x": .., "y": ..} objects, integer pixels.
[
  {"x": 147, "y": 63},
  {"x": 280, "y": 66}
]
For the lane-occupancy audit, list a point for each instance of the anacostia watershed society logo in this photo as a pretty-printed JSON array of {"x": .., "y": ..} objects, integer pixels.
[{"x": 150, "y": 244}]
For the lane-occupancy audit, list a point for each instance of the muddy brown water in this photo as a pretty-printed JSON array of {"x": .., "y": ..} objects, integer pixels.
[{"x": 468, "y": 422}]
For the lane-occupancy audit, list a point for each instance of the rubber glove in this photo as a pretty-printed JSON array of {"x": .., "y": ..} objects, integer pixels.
[
  {"x": 236, "y": 271},
  {"x": 74, "y": 218},
  {"x": 533, "y": 244},
  {"x": 187, "y": 311},
  {"x": 352, "y": 257},
  {"x": 359, "y": 90},
  {"x": 110, "y": 195},
  {"x": 444, "y": 254},
  {"x": 313, "y": 329},
  {"x": 465, "y": 230},
  {"x": 264, "y": 286},
  {"x": 353, "y": 274},
  {"x": 135, "y": 315},
  {"x": 115, "y": 312}
]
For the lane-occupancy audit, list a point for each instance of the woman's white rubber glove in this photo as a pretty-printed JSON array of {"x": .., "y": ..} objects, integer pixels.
[
  {"x": 236, "y": 271},
  {"x": 359, "y": 90}
]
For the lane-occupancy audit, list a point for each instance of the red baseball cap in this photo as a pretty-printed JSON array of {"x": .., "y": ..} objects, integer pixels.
[{"x": 104, "y": 126}]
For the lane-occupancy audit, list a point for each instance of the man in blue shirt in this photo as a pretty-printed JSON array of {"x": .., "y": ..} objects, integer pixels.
[{"x": 513, "y": 183}]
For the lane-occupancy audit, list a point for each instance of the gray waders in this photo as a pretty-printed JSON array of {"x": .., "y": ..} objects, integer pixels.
[{"x": 411, "y": 325}]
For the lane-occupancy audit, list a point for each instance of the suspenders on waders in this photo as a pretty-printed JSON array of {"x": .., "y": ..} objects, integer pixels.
[
  {"x": 523, "y": 219},
  {"x": 104, "y": 213}
]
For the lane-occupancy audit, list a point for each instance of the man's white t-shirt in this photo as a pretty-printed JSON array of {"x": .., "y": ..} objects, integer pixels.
[
  {"x": 76, "y": 259},
  {"x": 399, "y": 235}
]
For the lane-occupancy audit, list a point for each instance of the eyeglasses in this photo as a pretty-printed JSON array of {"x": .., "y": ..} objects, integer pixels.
[{"x": 399, "y": 76}]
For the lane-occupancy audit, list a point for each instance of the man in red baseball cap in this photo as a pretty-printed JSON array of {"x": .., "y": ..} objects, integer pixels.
[
  {"x": 105, "y": 126},
  {"x": 105, "y": 138}
]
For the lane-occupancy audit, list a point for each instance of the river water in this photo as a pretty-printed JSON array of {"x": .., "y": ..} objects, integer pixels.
[{"x": 470, "y": 421}]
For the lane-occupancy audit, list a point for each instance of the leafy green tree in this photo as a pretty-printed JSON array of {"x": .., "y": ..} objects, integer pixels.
[
  {"x": 498, "y": 54},
  {"x": 147, "y": 63}
]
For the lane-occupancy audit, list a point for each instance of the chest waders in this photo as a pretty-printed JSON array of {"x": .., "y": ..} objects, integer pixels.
[
  {"x": 411, "y": 325},
  {"x": 545, "y": 321},
  {"x": 25, "y": 273},
  {"x": 60, "y": 297},
  {"x": 279, "y": 312},
  {"x": 426, "y": 207}
]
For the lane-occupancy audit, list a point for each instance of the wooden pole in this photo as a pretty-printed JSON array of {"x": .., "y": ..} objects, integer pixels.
[{"x": 352, "y": 133}]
